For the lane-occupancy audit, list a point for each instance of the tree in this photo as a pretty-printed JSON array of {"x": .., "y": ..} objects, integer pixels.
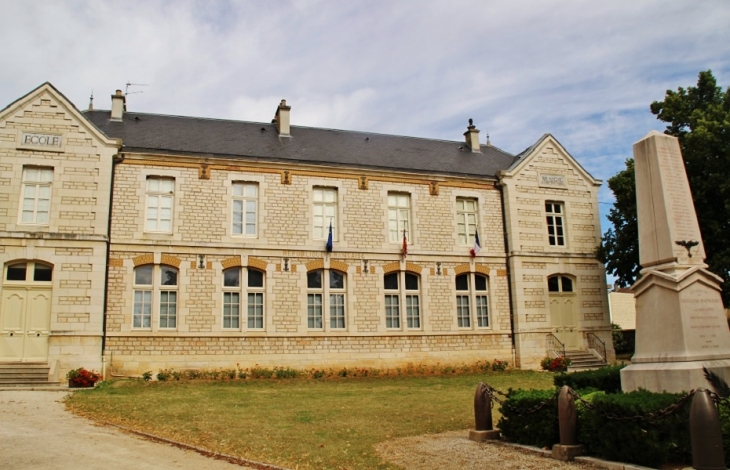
[
  {"x": 619, "y": 249},
  {"x": 700, "y": 118}
]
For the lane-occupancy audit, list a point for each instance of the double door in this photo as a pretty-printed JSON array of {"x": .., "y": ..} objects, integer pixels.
[{"x": 25, "y": 317}]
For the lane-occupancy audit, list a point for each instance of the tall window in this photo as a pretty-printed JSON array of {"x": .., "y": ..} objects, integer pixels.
[
  {"x": 466, "y": 220},
  {"x": 245, "y": 208},
  {"x": 402, "y": 288},
  {"x": 325, "y": 212},
  {"x": 160, "y": 193},
  {"x": 556, "y": 232},
  {"x": 232, "y": 282},
  {"x": 399, "y": 216},
  {"x": 36, "y": 195},
  {"x": 150, "y": 282},
  {"x": 326, "y": 293},
  {"x": 471, "y": 290}
]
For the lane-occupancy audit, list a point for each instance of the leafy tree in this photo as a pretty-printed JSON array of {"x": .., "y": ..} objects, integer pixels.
[
  {"x": 700, "y": 118},
  {"x": 619, "y": 249}
]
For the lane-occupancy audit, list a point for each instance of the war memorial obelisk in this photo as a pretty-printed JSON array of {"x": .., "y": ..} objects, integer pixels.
[{"x": 680, "y": 319}]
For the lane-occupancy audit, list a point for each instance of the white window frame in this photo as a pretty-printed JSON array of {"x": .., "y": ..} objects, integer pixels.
[
  {"x": 327, "y": 304},
  {"x": 31, "y": 273},
  {"x": 555, "y": 220},
  {"x": 36, "y": 195},
  {"x": 478, "y": 316},
  {"x": 399, "y": 216},
  {"x": 156, "y": 302},
  {"x": 159, "y": 193},
  {"x": 403, "y": 309},
  {"x": 324, "y": 211},
  {"x": 244, "y": 209},
  {"x": 467, "y": 220},
  {"x": 255, "y": 306}
]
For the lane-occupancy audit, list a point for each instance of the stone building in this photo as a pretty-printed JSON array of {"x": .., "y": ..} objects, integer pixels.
[{"x": 246, "y": 243}]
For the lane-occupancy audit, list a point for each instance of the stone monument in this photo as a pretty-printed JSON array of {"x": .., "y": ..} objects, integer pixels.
[{"x": 680, "y": 319}]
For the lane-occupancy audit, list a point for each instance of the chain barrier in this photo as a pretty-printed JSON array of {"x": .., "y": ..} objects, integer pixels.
[
  {"x": 492, "y": 392},
  {"x": 718, "y": 399},
  {"x": 649, "y": 417}
]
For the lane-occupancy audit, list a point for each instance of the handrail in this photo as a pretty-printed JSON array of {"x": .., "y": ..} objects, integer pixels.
[
  {"x": 552, "y": 346},
  {"x": 594, "y": 342}
]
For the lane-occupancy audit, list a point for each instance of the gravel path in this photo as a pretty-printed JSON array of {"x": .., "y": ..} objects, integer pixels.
[
  {"x": 453, "y": 450},
  {"x": 37, "y": 432}
]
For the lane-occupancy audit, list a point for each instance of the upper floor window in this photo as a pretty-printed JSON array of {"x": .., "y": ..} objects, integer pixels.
[
  {"x": 402, "y": 289},
  {"x": 245, "y": 208},
  {"x": 324, "y": 212},
  {"x": 253, "y": 280},
  {"x": 555, "y": 223},
  {"x": 36, "y": 206},
  {"x": 472, "y": 300},
  {"x": 399, "y": 216},
  {"x": 326, "y": 293},
  {"x": 29, "y": 272},
  {"x": 466, "y": 220},
  {"x": 155, "y": 286},
  {"x": 160, "y": 194}
]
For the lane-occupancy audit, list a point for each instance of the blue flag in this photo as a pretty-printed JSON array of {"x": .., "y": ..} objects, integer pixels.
[{"x": 328, "y": 246}]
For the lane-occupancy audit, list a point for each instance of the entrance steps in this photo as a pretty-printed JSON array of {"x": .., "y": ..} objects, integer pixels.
[
  {"x": 25, "y": 374},
  {"x": 583, "y": 360}
]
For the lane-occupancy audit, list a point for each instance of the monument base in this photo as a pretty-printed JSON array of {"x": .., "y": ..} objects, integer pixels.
[
  {"x": 566, "y": 453},
  {"x": 673, "y": 377},
  {"x": 481, "y": 436}
]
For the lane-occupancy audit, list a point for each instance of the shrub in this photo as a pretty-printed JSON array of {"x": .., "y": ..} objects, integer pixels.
[
  {"x": 147, "y": 376},
  {"x": 82, "y": 378},
  {"x": 538, "y": 428},
  {"x": 556, "y": 364},
  {"x": 285, "y": 373},
  {"x": 499, "y": 366},
  {"x": 639, "y": 442},
  {"x": 607, "y": 379},
  {"x": 261, "y": 372},
  {"x": 164, "y": 374}
]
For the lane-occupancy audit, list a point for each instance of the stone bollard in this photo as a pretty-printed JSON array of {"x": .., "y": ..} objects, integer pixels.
[
  {"x": 568, "y": 448},
  {"x": 705, "y": 433},
  {"x": 483, "y": 429}
]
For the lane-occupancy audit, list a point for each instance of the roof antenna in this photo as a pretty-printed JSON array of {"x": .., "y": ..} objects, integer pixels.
[
  {"x": 91, "y": 100},
  {"x": 127, "y": 92}
]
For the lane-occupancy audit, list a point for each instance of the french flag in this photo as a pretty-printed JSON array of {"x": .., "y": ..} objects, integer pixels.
[
  {"x": 404, "y": 250},
  {"x": 477, "y": 247}
]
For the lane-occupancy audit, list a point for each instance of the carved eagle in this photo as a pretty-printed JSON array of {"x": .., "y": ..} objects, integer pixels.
[{"x": 688, "y": 244}]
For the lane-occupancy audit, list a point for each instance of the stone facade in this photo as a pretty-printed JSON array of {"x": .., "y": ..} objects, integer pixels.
[
  {"x": 179, "y": 288},
  {"x": 547, "y": 177},
  {"x": 55, "y": 181}
]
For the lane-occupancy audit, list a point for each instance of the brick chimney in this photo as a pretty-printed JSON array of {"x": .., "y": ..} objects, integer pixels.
[
  {"x": 119, "y": 105},
  {"x": 472, "y": 137},
  {"x": 282, "y": 119}
]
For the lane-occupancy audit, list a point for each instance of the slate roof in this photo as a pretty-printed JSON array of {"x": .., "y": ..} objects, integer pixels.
[{"x": 217, "y": 138}]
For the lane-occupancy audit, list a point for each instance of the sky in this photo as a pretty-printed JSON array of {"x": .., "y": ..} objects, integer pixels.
[{"x": 583, "y": 71}]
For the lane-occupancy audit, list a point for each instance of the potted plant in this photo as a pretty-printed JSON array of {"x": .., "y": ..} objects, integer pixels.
[{"x": 78, "y": 378}]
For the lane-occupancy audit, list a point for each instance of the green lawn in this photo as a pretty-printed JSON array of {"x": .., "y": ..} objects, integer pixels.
[{"x": 297, "y": 423}]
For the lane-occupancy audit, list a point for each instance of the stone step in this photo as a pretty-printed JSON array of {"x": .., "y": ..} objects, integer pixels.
[{"x": 25, "y": 374}]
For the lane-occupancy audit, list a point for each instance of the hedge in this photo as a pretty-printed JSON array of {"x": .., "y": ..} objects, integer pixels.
[
  {"x": 536, "y": 429},
  {"x": 607, "y": 379}
]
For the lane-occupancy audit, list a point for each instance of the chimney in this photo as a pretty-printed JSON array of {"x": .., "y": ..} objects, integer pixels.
[
  {"x": 282, "y": 119},
  {"x": 472, "y": 137},
  {"x": 119, "y": 105}
]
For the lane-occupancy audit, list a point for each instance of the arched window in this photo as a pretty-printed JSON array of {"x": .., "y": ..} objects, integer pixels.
[
  {"x": 155, "y": 285},
  {"x": 30, "y": 271},
  {"x": 558, "y": 283},
  {"x": 253, "y": 281},
  {"x": 326, "y": 293},
  {"x": 471, "y": 290},
  {"x": 402, "y": 288}
]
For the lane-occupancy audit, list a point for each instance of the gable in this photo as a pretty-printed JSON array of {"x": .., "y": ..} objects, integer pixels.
[
  {"x": 45, "y": 120},
  {"x": 547, "y": 165}
]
